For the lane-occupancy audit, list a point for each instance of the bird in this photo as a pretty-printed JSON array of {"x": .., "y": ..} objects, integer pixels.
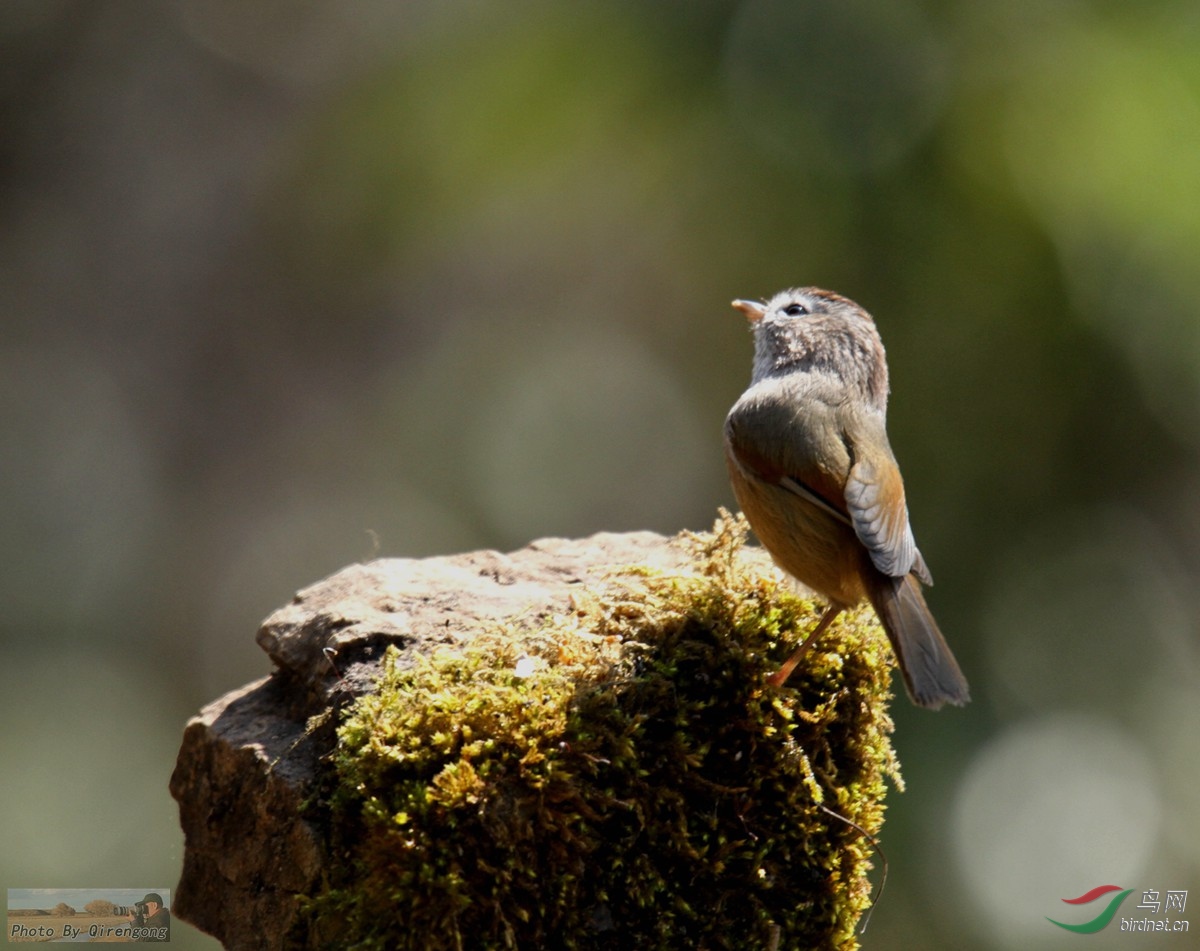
[{"x": 811, "y": 467}]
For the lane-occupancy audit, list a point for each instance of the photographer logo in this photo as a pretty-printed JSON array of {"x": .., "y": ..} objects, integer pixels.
[{"x": 56, "y": 915}]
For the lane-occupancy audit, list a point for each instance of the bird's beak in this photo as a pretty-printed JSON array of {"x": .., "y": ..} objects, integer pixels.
[{"x": 753, "y": 309}]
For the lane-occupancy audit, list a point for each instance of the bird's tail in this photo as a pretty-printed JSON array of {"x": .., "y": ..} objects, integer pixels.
[{"x": 931, "y": 674}]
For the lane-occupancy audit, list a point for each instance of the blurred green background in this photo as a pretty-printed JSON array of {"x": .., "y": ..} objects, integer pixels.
[{"x": 289, "y": 285}]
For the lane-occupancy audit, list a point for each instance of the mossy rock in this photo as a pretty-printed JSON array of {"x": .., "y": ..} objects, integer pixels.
[{"x": 620, "y": 777}]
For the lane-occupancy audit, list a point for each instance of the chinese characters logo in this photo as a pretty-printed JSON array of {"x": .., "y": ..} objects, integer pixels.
[{"x": 1174, "y": 902}]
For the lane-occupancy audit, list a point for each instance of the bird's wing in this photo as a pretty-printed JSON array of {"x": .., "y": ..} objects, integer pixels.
[
  {"x": 875, "y": 502},
  {"x": 796, "y": 487}
]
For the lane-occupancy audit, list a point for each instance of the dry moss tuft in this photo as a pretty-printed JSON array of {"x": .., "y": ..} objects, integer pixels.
[{"x": 619, "y": 778}]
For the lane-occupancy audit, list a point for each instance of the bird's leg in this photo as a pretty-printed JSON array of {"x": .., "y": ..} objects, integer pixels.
[{"x": 779, "y": 678}]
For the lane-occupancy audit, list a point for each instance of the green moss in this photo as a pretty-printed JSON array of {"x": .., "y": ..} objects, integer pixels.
[{"x": 619, "y": 778}]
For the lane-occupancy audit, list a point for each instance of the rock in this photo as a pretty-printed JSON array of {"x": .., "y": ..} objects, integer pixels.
[
  {"x": 420, "y": 603},
  {"x": 666, "y": 761},
  {"x": 246, "y": 763},
  {"x": 240, "y": 780}
]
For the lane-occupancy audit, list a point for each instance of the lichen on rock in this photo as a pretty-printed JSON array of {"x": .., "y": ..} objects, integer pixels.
[{"x": 617, "y": 776}]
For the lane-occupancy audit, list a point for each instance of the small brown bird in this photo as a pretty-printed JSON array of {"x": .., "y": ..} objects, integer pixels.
[{"x": 811, "y": 467}]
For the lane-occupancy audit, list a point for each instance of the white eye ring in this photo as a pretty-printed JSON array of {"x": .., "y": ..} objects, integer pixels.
[{"x": 795, "y": 309}]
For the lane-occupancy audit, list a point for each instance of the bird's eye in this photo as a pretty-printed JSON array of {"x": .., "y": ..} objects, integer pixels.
[{"x": 795, "y": 310}]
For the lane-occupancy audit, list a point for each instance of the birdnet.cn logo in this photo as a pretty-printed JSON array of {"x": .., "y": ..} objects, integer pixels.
[{"x": 1157, "y": 910}]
